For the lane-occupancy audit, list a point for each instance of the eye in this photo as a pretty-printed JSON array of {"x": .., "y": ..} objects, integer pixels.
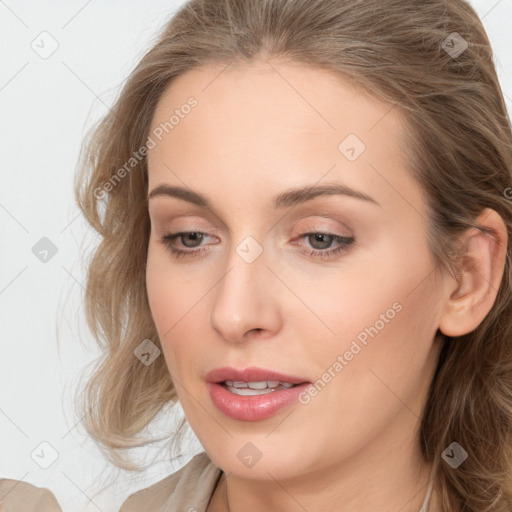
[
  {"x": 321, "y": 241},
  {"x": 192, "y": 240}
]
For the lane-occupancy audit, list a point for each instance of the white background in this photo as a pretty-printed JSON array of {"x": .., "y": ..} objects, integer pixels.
[{"x": 46, "y": 105}]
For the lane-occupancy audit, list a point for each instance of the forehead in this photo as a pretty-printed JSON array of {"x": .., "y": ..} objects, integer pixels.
[
  {"x": 278, "y": 94},
  {"x": 275, "y": 124}
]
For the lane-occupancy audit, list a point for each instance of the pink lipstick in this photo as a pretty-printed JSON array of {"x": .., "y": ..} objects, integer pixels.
[{"x": 253, "y": 394}]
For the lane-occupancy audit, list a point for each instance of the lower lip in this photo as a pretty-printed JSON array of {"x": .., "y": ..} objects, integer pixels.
[{"x": 256, "y": 407}]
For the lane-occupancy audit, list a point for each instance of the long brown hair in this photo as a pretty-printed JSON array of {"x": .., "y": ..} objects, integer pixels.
[{"x": 432, "y": 60}]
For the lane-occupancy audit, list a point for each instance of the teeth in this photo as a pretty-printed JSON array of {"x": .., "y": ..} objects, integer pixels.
[
  {"x": 249, "y": 391},
  {"x": 262, "y": 384},
  {"x": 256, "y": 387}
]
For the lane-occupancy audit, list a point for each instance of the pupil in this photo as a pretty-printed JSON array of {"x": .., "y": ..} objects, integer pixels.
[
  {"x": 193, "y": 236},
  {"x": 320, "y": 237}
]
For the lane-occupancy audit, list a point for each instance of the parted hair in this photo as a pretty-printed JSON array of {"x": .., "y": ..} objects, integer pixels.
[{"x": 410, "y": 53}]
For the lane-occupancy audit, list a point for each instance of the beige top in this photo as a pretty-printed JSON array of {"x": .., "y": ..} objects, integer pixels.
[
  {"x": 187, "y": 490},
  {"x": 20, "y": 496}
]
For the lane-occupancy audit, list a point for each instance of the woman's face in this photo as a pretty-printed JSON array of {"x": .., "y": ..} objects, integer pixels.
[{"x": 334, "y": 289}]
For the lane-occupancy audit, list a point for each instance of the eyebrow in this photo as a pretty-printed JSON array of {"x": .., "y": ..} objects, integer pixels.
[{"x": 285, "y": 199}]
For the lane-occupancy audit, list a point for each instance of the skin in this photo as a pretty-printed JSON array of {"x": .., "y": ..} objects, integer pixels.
[{"x": 257, "y": 130}]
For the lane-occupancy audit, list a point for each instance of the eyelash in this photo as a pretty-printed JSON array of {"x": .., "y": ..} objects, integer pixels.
[{"x": 345, "y": 244}]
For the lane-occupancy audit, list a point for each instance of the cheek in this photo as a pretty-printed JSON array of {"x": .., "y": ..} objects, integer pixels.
[
  {"x": 376, "y": 367},
  {"x": 368, "y": 296},
  {"x": 167, "y": 300},
  {"x": 384, "y": 319},
  {"x": 178, "y": 303},
  {"x": 170, "y": 293}
]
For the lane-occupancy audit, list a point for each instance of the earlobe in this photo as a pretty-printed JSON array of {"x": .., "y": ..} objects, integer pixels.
[{"x": 472, "y": 295}]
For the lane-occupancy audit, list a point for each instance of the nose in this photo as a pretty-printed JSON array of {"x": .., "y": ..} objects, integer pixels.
[{"x": 246, "y": 303}]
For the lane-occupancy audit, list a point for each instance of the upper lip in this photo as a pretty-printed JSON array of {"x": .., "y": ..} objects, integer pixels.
[{"x": 251, "y": 374}]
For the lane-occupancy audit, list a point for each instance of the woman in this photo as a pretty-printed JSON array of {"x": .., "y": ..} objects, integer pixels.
[{"x": 305, "y": 217}]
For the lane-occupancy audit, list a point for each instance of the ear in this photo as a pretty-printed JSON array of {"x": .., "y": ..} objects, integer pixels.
[{"x": 472, "y": 295}]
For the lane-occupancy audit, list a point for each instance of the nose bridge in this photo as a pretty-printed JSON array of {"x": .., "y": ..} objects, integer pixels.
[{"x": 244, "y": 300}]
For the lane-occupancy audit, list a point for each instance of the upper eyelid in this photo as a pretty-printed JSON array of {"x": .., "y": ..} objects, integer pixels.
[
  {"x": 325, "y": 216},
  {"x": 324, "y": 230}
]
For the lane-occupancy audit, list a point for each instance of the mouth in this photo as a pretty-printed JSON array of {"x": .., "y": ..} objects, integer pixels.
[{"x": 253, "y": 394}]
